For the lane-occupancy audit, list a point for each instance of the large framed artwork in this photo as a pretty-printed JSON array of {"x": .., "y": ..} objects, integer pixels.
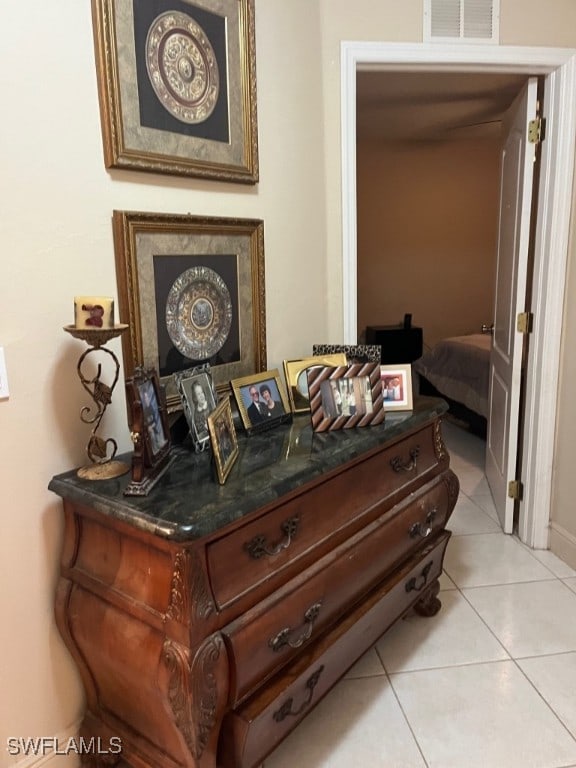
[
  {"x": 192, "y": 290},
  {"x": 177, "y": 86}
]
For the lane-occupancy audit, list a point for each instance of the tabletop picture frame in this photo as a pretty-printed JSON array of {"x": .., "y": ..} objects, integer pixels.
[
  {"x": 261, "y": 400},
  {"x": 345, "y": 396},
  {"x": 223, "y": 439},
  {"x": 177, "y": 87},
  {"x": 199, "y": 399},
  {"x": 192, "y": 290},
  {"x": 397, "y": 387},
  {"x": 295, "y": 373},
  {"x": 149, "y": 429},
  {"x": 355, "y": 353}
]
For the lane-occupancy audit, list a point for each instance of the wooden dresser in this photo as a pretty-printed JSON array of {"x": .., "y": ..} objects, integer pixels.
[{"x": 208, "y": 620}]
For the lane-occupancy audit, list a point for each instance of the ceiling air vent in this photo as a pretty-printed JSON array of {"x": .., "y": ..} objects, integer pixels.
[{"x": 465, "y": 21}]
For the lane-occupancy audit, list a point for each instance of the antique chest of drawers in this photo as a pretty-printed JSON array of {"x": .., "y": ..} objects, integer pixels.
[{"x": 208, "y": 620}]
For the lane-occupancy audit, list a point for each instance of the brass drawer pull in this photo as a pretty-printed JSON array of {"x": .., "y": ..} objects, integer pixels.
[
  {"x": 283, "y": 637},
  {"x": 399, "y": 466},
  {"x": 419, "y": 582},
  {"x": 257, "y": 546},
  {"x": 286, "y": 708},
  {"x": 423, "y": 529}
]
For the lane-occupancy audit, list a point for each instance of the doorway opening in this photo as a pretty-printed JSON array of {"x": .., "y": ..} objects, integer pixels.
[{"x": 557, "y": 66}]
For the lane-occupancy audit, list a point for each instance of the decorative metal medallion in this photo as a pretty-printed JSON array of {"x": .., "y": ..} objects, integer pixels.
[
  {"x": 199, "y": 313},
  {"x": 182, "y": 67}
]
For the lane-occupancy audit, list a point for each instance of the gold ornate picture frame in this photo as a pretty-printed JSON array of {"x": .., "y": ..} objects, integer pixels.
[
  {"x": 177, "y": 87},
  {"x": 261, "y": 400},
  {"x": 192, "y": 291},
  {"x": 295, "y": 373},
  {"x": 223, "y": 439}
]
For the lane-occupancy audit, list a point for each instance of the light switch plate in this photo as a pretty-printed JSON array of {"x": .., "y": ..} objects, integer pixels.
[{"x": 4, "y": 391}]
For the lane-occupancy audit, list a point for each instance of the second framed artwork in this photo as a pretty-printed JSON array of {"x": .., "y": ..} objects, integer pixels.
[
  {"x": 177, "y": 86},
  {"x": 192, "y": 290}
]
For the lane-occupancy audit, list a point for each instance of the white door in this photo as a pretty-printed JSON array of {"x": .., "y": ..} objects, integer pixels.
[{"x": 517, "y": 170}]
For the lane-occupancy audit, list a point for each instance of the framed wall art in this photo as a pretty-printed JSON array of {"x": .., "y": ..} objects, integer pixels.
[
  {"x": 192, "y": 290},
  {"x": 345, "y": 396},
  {"x": 261, "y": 401},
  {"x": 148, "y": 422},
  {"x": 223, "y": 439},
  {"x": 177, "y": 86},
  {"x": 199, "y": 399},
  {"x": 295, "y": 373},
  {"x": 396, "y": 387}
]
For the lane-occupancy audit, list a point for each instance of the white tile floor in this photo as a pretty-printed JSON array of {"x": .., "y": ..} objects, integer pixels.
[{"x": 489, "y": 682}]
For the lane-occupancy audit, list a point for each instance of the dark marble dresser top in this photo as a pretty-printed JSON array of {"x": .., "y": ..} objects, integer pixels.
[{"x": 188, "y": 503}]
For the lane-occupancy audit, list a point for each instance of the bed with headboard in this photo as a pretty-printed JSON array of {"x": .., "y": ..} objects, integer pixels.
[{"x": 457, "y": 369}]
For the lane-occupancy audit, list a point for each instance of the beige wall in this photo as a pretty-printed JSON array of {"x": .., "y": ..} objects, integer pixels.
[
  {"x": 427, "y": 231},
  {"x": 563, "y": 513},
  {"x": 57, "y": 201}
]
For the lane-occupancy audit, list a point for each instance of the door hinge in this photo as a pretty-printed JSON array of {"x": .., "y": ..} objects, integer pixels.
[
  {"x": 515, "y": 489},
  {"x": 535, "y": 130},
  {"x": 524, "y": 322}
]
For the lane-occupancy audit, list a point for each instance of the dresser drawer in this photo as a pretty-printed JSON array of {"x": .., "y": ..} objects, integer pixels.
[
  {"x": 251, "y": 731},
  {"x": 270, "y": 634},
  {"x": 285, "y": 537}
]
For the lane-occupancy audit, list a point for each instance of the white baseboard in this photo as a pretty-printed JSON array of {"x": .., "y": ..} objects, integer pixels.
[{"x": 563, "y": 544}]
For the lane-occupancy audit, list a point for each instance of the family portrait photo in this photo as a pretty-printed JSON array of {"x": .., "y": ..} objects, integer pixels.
[
  {"x": 261, "y": 400},
  {"x": 396, "y": 387}
]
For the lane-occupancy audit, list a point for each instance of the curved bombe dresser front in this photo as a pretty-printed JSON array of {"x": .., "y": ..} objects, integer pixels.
[{"x": 207, "y": 621}]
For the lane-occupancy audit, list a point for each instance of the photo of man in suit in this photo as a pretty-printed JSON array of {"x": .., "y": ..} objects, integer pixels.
[{"x": 257, "y": 410}]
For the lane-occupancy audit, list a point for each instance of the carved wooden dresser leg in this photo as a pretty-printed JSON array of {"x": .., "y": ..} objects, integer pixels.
[
  {"x": 197, "y": 692},
  {"x": 429, "y": 604}
]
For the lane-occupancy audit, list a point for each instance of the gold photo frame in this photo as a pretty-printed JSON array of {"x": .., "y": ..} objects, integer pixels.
[
  {"x": 223, "y": 439},
  {"x": 295, "y": 373},
  {"x": 261, "y": 400},
  {"x": 346, "y": 396},
  {"x": 177, "y": 87},
  {"x": 191, "y": 289}
]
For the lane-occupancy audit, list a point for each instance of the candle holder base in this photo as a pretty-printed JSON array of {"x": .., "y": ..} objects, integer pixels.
[{"x": 105, "y": 471}]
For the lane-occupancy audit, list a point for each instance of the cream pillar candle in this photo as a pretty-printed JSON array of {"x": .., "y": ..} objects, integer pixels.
[{"x": 93, "y": 312}]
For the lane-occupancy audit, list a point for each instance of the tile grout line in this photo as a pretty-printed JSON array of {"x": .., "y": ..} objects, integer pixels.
[{"x": 404, "y": 715}]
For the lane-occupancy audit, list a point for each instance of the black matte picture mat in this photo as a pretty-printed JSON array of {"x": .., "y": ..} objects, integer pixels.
[
  {"x": 167, "y": 268},
  {"x": 152, "y": 113}
]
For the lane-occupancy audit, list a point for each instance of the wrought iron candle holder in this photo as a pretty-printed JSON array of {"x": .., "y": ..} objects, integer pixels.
[{"x": 103, "y": 466}]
